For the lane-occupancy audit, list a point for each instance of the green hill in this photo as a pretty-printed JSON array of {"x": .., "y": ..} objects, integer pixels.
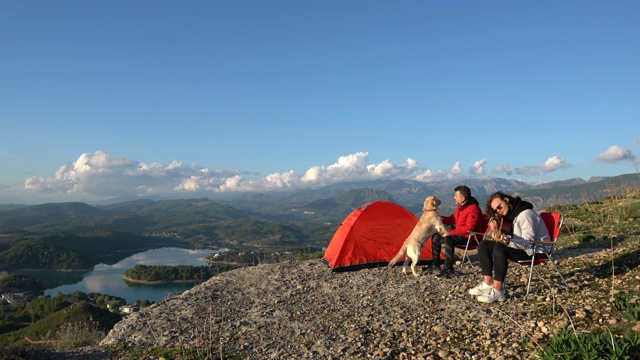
[
  {"x": 64, "y": 251},
  {"x": 74, "y": 324},
  {"x": 64, "y": 235}
]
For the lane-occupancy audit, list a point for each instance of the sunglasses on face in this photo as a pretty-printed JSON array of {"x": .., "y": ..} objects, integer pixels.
[{"x": 498, "y": 207}]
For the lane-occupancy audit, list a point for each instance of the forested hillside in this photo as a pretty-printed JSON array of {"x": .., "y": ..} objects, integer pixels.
[
  {"x": 63, "y": 251},
  {"x": 78, "y": 235}
]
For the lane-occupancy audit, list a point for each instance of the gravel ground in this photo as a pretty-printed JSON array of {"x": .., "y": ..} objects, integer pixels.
[{"x": 303, "y": 310}]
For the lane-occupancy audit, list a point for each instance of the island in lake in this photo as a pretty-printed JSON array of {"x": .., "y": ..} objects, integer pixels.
[{"x": 159, "y": 274}]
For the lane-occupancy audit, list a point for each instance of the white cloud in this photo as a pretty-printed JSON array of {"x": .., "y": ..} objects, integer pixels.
[
  {"x": 478, "y": 167},
  {"x": 356, "y": 167},
  {"x": 190, "y": 184},
  {"x": 551, "y": 164},
  {"x": 503, "y": 169},
  {"x": 529, "y": 170},
  {"x": 432, "y": 175},
  {"x": 99, "y": 175},
  {"x": 554, "y": 163},
  {"x": 615, "y": 154},
  {"x": 455, "y": 169}
]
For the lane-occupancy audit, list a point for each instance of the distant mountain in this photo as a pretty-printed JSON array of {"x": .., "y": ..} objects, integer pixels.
[
  {"x": 408, "y": 193},
  {"x": 66, "y": 251},
  {"x": 67, "y": 209},
  {"x": 310, "y": 213},
  {"x": 559, "y": 184},
  {"x": 140, "y": 216},
  {"x": 202, "y": 208},
  {"x": 335, "y": 208},
  {"x": 591, "y": 190},
  {"x": 10, "y": 206},
  {"x": 26, "y": 216},
  {"x": 411, "y": 194}
]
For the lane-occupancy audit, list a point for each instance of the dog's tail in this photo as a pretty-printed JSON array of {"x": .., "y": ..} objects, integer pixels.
[{"x": 393, "y": 261}]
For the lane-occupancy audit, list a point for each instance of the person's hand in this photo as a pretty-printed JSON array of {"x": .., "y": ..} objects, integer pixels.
[
  {"x": 493, "y": 224},
  {"x": 505, "y": 239}
]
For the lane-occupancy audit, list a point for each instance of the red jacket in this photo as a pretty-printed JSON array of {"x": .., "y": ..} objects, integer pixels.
[{"x": 467, "y": 217}]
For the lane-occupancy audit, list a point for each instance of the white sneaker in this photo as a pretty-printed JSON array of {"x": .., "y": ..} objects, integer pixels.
[
  {"x": 493, "y": 296},
  {"x": 481, "y": 289}
]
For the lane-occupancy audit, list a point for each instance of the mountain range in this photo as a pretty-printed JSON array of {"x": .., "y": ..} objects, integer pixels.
[
  {"x": 283, "y": 218},
  {"x": 334, "y": 202}
]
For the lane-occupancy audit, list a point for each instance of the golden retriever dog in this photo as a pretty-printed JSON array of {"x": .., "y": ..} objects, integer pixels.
[{"x": 429, "y": 223}]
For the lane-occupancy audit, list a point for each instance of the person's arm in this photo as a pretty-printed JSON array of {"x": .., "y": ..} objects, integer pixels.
[
  {"x": 524, "y": 232},
  {"x": 442, "y": 229},
  {"x": 524, "y": 226},
  {"x": 448, "y": 220},
  {"x": 467, "y": 220}
]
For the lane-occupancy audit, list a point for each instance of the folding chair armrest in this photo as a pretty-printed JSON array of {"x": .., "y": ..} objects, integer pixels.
[
  {"x": 476, "y": 235},
  {"x": 540, "y": 244}
]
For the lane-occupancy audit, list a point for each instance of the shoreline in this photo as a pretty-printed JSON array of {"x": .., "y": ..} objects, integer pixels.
[
  {"x": 55, "y": 270},
  {"x": 126, "y": 278}
]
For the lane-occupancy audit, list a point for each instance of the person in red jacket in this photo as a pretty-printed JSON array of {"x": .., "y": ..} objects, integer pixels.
[{"x": 466, "y": 217}]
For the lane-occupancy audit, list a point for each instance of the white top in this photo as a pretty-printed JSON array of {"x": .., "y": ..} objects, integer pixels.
[{"x": 529, "y": 226}]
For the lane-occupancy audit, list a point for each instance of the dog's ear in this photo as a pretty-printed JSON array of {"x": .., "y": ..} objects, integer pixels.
[{"x": 429, "y": 203}]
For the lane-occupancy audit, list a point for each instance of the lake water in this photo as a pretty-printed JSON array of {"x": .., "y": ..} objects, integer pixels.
[{"x": 107, "y": 279}]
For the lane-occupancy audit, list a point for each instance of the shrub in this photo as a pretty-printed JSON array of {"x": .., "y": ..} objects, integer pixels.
[
  {"x": 77, "y": 334},
  {"x": 566, "y": 345},
  {"x": 627, "y": 309}
]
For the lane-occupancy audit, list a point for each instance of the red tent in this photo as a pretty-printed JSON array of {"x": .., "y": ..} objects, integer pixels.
[{"x": 371, "y": 236}]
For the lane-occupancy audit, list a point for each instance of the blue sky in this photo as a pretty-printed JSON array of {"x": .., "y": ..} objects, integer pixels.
[{"x": 101, "y": 99}]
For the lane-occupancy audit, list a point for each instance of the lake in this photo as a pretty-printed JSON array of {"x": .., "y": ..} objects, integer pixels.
[{"x": 107, "y": 279}]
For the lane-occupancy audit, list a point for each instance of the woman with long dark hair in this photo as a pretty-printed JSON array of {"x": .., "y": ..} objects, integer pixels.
[{"x": 512, "y": 242}]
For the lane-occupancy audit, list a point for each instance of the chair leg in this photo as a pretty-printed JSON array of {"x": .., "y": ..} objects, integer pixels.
[
  {"x": 530, "y": 274},
  {"x": 549, "y": 259},
  {"x": 566, "y": 286},
  {"x": 465, "y": 256}
]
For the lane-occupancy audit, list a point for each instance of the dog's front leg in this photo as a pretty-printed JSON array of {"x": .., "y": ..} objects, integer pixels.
[
  {"x": 404, "y": 266},
  {"x": 413, "y": 269}
]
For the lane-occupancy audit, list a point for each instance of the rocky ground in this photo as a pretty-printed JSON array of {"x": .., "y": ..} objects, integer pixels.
[{"x": 303, "y": 310}]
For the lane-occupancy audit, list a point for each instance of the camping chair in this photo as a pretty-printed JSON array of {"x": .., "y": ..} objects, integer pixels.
[
  {"x": 553, "y": 221},
  {"x": 475, "y": 236}
]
